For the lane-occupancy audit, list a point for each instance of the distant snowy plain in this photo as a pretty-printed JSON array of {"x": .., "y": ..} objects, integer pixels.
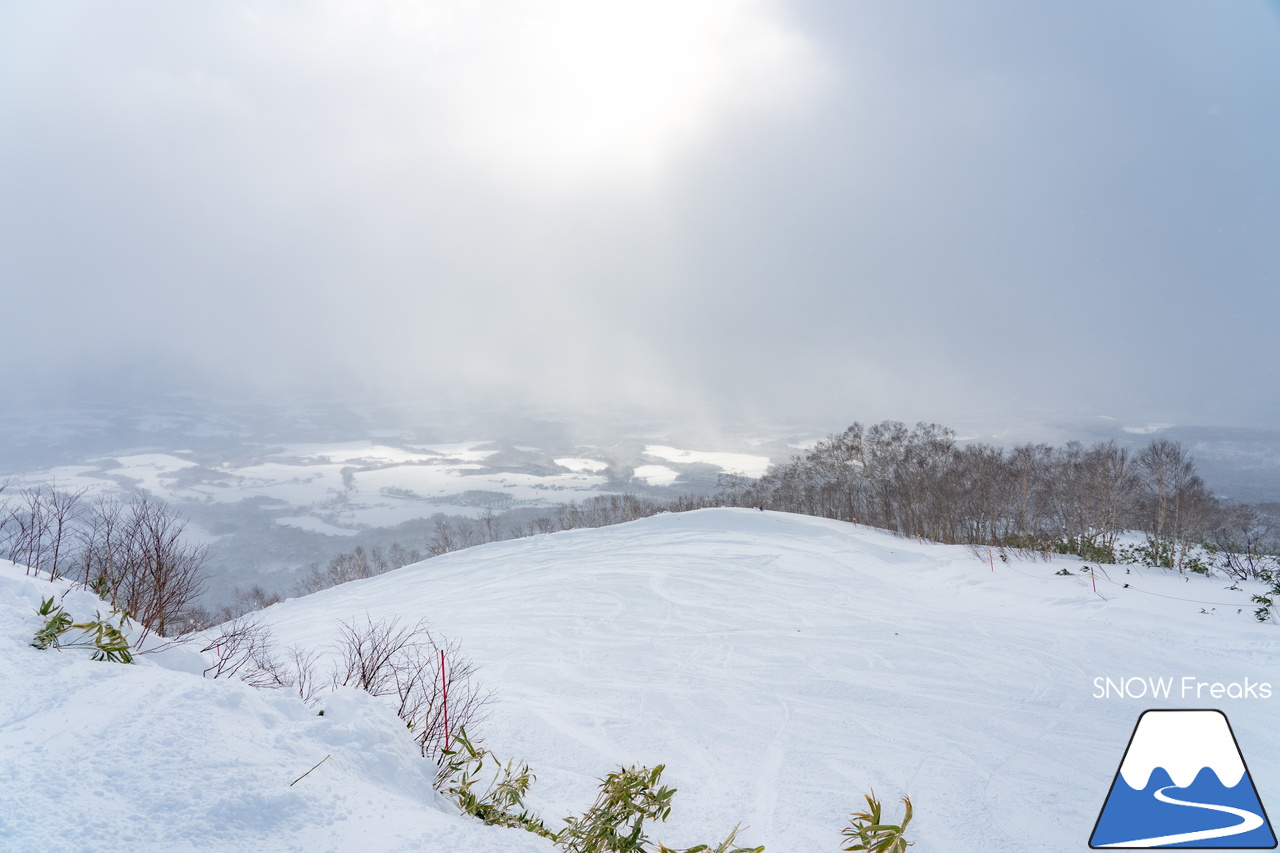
[
  {"x": 340, "y": 488},
  {"x": 267, "y": 510},
  {"x": 780, "y": 666}
]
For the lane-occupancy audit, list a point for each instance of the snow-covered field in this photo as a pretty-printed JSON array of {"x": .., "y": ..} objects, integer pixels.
[
  {"x": 154, "y": 757},
  {"x": 780, "y": 666},
  {"x": 342, "y": 487},
  {"x": 267, "y": 509}
]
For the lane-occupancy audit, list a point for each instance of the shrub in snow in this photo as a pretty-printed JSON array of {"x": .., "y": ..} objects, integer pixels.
[
  {"x": 867, "y": 832},
  {"x": 1267, "y": 601},
  {"x": 415, "y": 668},
  {"x": 613, "y": 824},
  {"x": 100, "y": 634},
  {"x": 461, "y": 776},
  {"x": 131, "y": 553},
  {"x": 615, "y": 821},
  {"x": 244, "y": 649},
  {"x": 418, "y": 670}
]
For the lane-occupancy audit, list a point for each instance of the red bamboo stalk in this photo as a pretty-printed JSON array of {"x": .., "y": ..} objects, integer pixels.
[{"x": 444, "y": 686}]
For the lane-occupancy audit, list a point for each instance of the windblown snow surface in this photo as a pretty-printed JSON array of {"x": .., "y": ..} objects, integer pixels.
[{"x": 779, "y": 666}]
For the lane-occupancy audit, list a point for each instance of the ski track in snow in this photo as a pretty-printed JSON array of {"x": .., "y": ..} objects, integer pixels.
[{"x": 903, "y": 666}]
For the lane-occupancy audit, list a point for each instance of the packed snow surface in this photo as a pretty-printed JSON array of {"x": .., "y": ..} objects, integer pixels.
[
  {"x": 779, "y": 666},
  {"x": 154, "y": 757}
]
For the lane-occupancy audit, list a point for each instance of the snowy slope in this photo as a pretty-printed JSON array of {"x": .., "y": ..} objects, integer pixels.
[
  {"x": 780, "y": 666},
  {"x": 154, "y": 757}
]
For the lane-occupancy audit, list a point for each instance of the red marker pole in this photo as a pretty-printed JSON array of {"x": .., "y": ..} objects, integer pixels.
[{"x": 444, "y": 686}]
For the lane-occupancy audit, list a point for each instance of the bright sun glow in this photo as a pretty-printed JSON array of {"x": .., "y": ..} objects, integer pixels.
[{"x": 573, "y": 91}]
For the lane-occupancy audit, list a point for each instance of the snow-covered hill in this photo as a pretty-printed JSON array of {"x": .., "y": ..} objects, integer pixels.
[
  {"x": 154, "y": 757},
  {"x": 780, "y": 666}
]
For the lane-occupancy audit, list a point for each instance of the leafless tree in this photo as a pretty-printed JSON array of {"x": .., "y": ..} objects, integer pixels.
[
  {"x": 7, "y": 515},
  {"x": 1174, "y": 504},
  {"x": 103, "y": 542},
  {"x": 351, "y": 566},
  {"x": 243, "y": 601},
  {"x": 974, "y": 506},
  {"x": 300, "y": 672},
  {"x": 1028, "y": 481},
  {"x": 28, "y": 535},
  {"x": 467, "y": 533},
  {"x": 400, "y": 556},
  {"x": 443, "y": 539},
  {"x": 1092, "y": 491},
  {"x": 65, "y": 510},
  {"x": 243, "y": 649},
  {"x": 918, "y": 481},
  {"x": 134, "y": 554},
  {"x": 255, "y": 598},
  {"x": 386, "y": 658},
  {"x": 1247, "y": 541},
  {"x": 168, "y": 571},
  {"x": 42, "y": 526},
  {"x": 488, "y": 526},
  {"x": 313, "y": 579},
  {"x": 569, "y": 516}
]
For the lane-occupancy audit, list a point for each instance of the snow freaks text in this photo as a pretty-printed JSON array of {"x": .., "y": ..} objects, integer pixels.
[{"x": 1186, "y": 687}]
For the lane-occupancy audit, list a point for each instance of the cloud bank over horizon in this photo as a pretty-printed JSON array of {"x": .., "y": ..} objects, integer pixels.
[{"x": 761, "y": 210}]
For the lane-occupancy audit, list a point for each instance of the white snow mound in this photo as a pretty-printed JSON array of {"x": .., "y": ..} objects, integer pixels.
[
  {"x": 144, "y": 757},
  {"x": 780, "y": 666}
]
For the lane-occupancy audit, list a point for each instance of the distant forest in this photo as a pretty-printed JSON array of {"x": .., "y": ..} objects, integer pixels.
[{"x": 1072, "y": 499}]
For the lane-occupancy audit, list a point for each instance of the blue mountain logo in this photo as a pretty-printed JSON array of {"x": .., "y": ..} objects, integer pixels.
[{"x": 1183, "y": 783}]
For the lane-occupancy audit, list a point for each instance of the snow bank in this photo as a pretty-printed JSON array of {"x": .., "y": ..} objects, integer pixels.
[
  {"x": 780, "y": 666},
  {"x": 152, "y": 757}
]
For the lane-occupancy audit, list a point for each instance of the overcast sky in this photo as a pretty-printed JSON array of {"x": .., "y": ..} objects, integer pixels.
[{"x": 760, "y": 210}]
